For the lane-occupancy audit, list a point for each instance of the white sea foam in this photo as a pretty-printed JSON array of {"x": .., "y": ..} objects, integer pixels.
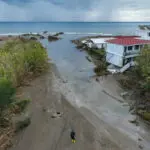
[
  {"x": 67, "y": 33},
  {"x": 6, "y": 34},
  {"x": 17, "y": 33}
]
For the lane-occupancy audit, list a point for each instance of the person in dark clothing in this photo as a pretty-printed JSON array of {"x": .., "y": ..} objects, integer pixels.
[{"x": 72, "y": 135}]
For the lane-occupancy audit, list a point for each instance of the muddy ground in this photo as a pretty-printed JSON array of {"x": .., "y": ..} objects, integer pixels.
[{"x": 48, "y": 133}]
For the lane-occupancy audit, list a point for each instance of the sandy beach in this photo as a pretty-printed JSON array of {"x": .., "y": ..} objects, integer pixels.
[{"x": 46, "y": 132}]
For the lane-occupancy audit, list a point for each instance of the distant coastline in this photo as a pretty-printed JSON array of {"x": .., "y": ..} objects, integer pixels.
[{"x": 70, "y": 27}]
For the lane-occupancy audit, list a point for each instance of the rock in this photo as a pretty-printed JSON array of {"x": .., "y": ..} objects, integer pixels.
[
  {"x": 59, "y": 33},
  {"x": 134, "y": 122},
  {"x": 42, "y": 37},
  {"x": 139, "y": 139},
  {"x": 123, "y": 94},
  {"x": 52, "y": 38},
  {"x": 87, "y": 57},
  {"x": 44, "y": 109},
  {"x": 141, "y": 147},
  {"x": 97, "y": 79},
  {"x": 33, "y": 38},
  {"x": 125, "y": 104},
  {"x": 65, "y": 81},
  {"x": 44, "y": 32},
  {"x": 4, "y": 122},
  {"x": 21, "y": 121},
  {"x": 141, "y": 106},
  {"x": 57, "y": 115}
]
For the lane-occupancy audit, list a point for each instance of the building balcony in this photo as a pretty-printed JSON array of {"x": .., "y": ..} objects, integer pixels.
[{"x": 131, "y": 54}]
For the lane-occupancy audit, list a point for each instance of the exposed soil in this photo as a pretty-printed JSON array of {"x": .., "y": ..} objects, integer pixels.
[{"x": 53, "y": 133}]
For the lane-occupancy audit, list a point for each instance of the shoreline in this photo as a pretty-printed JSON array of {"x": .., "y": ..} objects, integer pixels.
[
  {"x": 51, "y": 88},
  {"x": 54, "y": 132},
  {"x": 124, "y": 141},
  {"x": 66, "y": 33}
]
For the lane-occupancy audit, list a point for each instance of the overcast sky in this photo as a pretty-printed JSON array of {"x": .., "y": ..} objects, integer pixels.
[{"x": 74, "y": 10}]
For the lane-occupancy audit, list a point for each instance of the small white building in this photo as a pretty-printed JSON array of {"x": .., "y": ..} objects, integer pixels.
[
  {"x": 100, "y": 42},
  {"x": 144, "y": 32},
  {"x": 121, "y": 51}
]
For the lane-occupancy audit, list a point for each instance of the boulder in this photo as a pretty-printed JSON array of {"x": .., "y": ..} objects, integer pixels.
[
  {"x": 57, "y": 115},
  {"x": 42, "y": 37},
  {"x": 33, "y": 38},
  {"x": 52, "y": 38},
  {"x": 59, "y": 33},
  {"x": 123, "y": 94},
  {"x": 44, "y": 32},
  {"x": 21, "y": 121}
]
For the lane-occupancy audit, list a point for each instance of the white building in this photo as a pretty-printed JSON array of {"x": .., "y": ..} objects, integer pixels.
[
  {"x": 144, "y": 32},
  {"x": 121, "y": 51},
  {"x": 100, "y": 42}
]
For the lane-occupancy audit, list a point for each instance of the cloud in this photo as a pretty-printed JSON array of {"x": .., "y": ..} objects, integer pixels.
[{"x": 77, "y": 10}]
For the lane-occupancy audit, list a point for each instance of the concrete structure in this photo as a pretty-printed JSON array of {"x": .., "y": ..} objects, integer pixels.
[
  {"x": 144, "y": 32},
  {"x": 100, "y": 42},
  {"x": 121, "y": 51},
  {"x": 89, "y": 43}
]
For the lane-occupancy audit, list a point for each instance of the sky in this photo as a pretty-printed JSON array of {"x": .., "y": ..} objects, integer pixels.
[{"x": 75, "y": 10}]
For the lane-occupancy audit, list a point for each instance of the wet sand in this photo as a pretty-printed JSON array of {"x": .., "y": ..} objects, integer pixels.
[
  {"x": 47, "y": 133},
  {"x": 94, "y": 111}
]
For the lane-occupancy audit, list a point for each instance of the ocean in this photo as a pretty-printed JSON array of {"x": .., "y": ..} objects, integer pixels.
[{"x": 70, "y": 27}]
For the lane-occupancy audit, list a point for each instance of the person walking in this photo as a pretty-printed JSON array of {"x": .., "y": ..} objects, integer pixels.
[{"x": 72, "y": 135}]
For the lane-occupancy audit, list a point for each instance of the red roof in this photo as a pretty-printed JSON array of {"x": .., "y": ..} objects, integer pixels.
[
  {"x": 126, "y": 36},
  {"x": 128, "y": 41}
]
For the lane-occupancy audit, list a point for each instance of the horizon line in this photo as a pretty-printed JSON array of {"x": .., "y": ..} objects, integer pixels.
[{"x": 75, "y": 21}]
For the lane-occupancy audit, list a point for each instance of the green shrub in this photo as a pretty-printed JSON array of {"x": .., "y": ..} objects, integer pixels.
[
  {"x": 21, "y": 56},
  {"x": 19, "y": 106},
  {"x": 18, "y": 58},
  {"x": 143, "y": 67},
  {"x": 7, "y": 92}
]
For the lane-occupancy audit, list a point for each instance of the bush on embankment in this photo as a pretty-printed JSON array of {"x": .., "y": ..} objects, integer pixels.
[
  {"x": 20, "y": 57},
  {"x": 138, "y": 80},
  {"x": 19, "y": 60}
]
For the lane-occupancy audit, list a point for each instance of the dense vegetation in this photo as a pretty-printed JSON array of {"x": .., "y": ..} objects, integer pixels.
[
  {"x": 143, "y": 68},
  {"x": 138, "y": 79},
  {"x": 20, "y": 59},
  {"x": 99, "y": 56}
]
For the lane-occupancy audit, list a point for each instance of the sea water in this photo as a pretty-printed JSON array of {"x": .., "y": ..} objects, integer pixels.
[{"x": 70, "y": 27}]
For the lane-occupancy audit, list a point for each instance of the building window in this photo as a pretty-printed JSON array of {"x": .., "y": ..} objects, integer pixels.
[
  {"x": 137, "y": 47},
  {"x": 148, "y": 33},
  {"x": 141, "y": 46},
  {"x": 125, "y": 49},
  {"x": 130, "y": 48}
]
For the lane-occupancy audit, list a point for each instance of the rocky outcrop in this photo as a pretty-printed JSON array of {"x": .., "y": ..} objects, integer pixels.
[
  {"x": 52, "y": 38},
  {"x": 21, "y": 121},
  {"x": 59, "y": 33},
  {"x": 42, "y": 37},
  {"x": 33, "y": 38},
  {"x": 45, "y": 32}
]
